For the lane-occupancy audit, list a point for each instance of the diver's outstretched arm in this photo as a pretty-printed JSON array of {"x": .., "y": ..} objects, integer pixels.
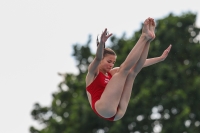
[{"x": 155, "y": 60}]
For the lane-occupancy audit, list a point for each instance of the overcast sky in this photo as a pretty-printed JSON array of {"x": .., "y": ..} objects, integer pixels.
[{"x": 36, "y": 38}]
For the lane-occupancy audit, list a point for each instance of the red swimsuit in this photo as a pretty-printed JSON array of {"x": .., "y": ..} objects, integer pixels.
[{"x": 96, "y": 88}]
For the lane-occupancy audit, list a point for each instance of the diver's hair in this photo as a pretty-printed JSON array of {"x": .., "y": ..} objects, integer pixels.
[{"x": 106, "y": 50}]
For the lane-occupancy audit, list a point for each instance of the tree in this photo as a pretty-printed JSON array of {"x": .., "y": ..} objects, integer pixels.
[{"x": 165, "y": 96}]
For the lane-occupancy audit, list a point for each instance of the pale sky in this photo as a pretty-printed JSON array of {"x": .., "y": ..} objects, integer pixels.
[{"x": 36, "y": 38}]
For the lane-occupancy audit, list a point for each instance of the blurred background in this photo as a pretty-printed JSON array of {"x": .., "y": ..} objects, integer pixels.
[{"x": 46, "y": 47}]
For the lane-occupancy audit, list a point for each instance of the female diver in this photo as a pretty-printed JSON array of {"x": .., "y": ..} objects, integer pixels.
[{"x": 109, "y": 89}]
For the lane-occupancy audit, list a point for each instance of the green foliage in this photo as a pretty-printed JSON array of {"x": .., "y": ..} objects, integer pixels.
[{"x": 165, "y": 95}]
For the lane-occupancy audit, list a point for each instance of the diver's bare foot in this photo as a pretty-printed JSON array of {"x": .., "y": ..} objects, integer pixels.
[
  {"x": 148, "y": 26},
  {"x": 152, "y": 28}
]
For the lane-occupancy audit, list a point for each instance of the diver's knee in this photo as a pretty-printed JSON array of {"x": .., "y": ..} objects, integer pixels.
[
  {"x": 119, "y": 115},
  {"x": 105, "y": 111}
]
